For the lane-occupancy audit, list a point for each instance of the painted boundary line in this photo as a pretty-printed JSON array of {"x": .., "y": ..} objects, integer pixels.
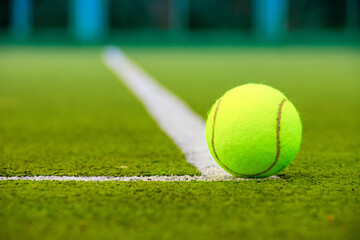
[
  {"x": 174, "y": 117},
  {"x": 185, "y": 178}
]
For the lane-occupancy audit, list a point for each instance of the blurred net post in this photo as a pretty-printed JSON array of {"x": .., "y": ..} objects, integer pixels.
[
  {"x": 89, "y": 19},
  {"x": 352, "y": 15},
  {"x": 270, "y": 17},
  {"x": 178, "y": 17},
  {"x": 21, "y": 18}
]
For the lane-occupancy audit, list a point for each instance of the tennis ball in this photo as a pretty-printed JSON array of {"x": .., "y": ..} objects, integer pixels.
[{"x": 253, "y": 131}]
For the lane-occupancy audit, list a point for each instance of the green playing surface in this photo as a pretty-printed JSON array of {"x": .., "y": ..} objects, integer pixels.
[{"x": 62, "y": 112}]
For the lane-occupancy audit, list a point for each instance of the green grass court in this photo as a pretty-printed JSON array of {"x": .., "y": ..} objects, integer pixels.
[{"x": 63, "y": 112}]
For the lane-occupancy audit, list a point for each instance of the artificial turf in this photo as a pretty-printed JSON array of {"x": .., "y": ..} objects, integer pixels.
[
  {"x": 317, "y": 198},
  {"x": 300, "y": 208},
  {"x": 64, "y": 113}
]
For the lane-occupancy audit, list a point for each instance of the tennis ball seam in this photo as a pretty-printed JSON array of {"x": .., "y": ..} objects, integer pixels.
[{"x": 278, "y": 148}]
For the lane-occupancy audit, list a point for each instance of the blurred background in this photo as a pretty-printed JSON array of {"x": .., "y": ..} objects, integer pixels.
[{"x": 180, "y": 21}]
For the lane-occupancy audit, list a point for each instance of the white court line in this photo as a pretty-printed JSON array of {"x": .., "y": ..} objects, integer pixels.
[
  {"x": 185, "y": 178},
  {"x": 174, "y": 117}
]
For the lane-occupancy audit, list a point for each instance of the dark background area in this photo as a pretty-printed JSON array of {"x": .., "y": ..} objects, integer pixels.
[{"x": 153, "y": 16}]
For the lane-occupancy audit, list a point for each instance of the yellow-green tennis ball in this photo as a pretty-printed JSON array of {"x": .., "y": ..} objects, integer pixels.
[{"x": 253, "y": 131}]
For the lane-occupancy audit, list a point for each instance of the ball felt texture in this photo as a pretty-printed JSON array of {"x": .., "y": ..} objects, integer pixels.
[{"x": 253, "y": 131}]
